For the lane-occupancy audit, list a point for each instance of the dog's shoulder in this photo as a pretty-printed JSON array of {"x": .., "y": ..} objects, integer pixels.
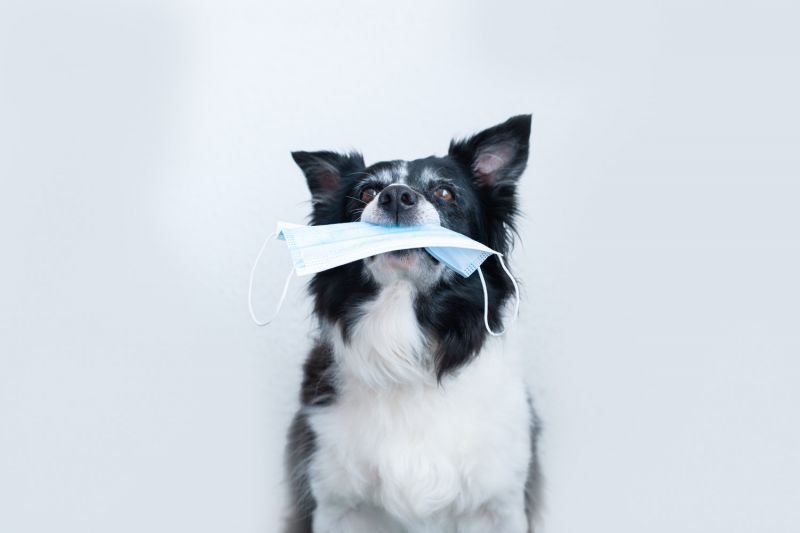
[{"x": 318, "y": 387}]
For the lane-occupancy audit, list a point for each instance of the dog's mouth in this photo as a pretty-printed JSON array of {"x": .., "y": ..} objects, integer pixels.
[
  {"x": 413, "y": 264},
  {"x": 399, "y": 258},
  {"x": 407, "y": 256}
]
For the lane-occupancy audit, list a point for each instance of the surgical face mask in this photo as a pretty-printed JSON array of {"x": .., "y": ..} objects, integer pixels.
[{"x": 317, "y": 248}]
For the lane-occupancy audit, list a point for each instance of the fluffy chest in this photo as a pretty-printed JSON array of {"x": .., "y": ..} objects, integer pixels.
[
  {"x": 396, "y": 439},
  {"x": 418, "y": 450}
]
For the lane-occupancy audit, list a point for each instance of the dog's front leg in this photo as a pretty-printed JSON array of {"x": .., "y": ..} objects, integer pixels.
[
  {"x": 331, "y": 518},
  {"x": 334, "y": 518},
  {"x": 508, "y": 517}
]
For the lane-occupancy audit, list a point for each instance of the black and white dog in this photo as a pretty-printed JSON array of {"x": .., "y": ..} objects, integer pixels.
[{"x": 413, "y": 418}]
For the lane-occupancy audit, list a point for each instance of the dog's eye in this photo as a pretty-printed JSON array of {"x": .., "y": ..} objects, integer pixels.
[
  {"x": 443, "y": 193},
  {"x": 368, "y": 194}
]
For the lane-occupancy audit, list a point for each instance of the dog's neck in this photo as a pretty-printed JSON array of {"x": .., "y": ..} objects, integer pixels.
[
  {"x": 396, "y": 333},
  {"x": 385, "y": 346}
]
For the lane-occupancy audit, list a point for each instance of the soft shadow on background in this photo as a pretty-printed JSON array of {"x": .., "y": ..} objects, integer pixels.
[{"x": 144, "y": 155}]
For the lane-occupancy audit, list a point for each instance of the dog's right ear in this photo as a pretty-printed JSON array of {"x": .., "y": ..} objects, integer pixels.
[{"x": 324, "y": 171}]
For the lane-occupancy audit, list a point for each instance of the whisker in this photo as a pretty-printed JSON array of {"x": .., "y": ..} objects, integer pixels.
[{"x": 357, "y": 199}]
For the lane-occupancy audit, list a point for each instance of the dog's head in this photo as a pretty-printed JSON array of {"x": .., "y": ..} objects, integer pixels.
[{"x": 471, "y": 190}]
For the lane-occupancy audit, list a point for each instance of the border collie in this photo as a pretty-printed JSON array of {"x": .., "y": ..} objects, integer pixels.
[{"x": 412, "y": 418}]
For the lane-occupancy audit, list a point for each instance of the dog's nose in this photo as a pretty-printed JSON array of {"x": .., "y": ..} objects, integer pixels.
[{"x": 396, "y": 199}]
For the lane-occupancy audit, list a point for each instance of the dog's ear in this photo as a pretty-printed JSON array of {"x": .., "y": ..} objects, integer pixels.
[
  {"x": 496, "y": 156},
  {"x": 324, "y": 171}
]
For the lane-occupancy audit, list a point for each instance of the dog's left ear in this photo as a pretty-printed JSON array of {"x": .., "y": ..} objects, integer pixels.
[
  {"x": 496, "y": 156},
  {"x": 496, "y": 159}
]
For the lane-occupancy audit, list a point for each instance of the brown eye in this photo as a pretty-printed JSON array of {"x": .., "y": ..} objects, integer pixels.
[
  {"x": 445, "y": 194},
  {"x": 368, "y": 194}
]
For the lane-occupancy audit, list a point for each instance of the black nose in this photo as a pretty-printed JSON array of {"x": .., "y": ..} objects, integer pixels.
[{"x": 396, "y": 199}]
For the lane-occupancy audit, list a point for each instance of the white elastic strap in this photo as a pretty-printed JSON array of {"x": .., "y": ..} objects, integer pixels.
[
  {"x": 250, "y": 286},
  {"x": 486, "y": 298}
]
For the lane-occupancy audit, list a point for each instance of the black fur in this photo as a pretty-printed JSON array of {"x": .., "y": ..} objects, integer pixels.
[
  {"x": 300, "y": 447},
  {"x": 483, "y": 171},
  {"x": 533, "y": 485},
  {"x": 318, "y": 387},
  {"x": 485, "y": 210},
  {"x": 318, "y": 390}
]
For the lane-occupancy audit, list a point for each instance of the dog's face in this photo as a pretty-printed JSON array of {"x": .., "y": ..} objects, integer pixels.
[
  {"x": 426, "y": 191},
  {"x": 471, "y": 190}
]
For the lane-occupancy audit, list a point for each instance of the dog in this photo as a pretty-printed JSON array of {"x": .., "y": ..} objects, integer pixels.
[{"x": 413, "y": 418}]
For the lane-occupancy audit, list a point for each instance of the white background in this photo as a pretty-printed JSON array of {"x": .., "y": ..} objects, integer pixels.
[{"x": 144, "y": 155}]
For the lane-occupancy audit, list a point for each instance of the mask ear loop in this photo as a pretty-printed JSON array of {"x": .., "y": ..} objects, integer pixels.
[
  {"x": 486, "y": 297},
  {"x": 250, "y": 286}
]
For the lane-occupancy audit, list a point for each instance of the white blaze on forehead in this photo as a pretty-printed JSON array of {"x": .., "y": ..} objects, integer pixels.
[
  {"x": 428, "y": 177},
  {"x": 401, "y": 171},
  {"x": 396, "y": 173}
]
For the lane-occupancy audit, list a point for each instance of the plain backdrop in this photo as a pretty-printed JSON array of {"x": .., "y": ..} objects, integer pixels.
[{"x": 144, "y": 155}]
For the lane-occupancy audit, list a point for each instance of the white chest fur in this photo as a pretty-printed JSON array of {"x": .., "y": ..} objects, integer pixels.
[{"x": 423, "y": 453}]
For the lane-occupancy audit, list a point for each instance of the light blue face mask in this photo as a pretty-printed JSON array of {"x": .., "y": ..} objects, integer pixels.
[{"x": 317, "y": 248}]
